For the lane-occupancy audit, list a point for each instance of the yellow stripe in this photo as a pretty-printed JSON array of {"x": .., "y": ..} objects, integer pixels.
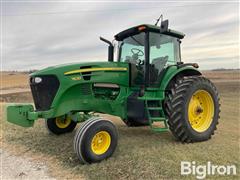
[{"x": 95, "y": 69}]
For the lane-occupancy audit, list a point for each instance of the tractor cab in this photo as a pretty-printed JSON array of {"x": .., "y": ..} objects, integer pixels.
[{"x": 149, "y": 50}]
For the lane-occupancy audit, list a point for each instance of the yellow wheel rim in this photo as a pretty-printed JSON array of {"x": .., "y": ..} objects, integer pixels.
[
  {"x": 201, "y": 110},
  {"x": 63, "y": 123},
  {"x": 101, "y": 142}
]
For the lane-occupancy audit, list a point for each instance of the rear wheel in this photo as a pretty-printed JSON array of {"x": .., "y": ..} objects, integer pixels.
[
  {"x": 60, "y": 125},
  {"x": 95, "y": 140},
  {"x": 192, "y": 108}
]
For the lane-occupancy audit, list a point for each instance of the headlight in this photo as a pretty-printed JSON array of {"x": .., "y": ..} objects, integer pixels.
[{"x": 37, "y": 80}]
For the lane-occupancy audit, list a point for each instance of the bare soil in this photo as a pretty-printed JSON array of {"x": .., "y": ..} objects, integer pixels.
[{"x": 16, "y": 167}]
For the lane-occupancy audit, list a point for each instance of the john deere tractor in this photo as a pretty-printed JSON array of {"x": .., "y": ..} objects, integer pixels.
[{"x": 146, "y": 84}]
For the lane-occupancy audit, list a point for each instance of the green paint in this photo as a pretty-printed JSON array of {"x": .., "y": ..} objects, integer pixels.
[{"x": 19, "y": 114}]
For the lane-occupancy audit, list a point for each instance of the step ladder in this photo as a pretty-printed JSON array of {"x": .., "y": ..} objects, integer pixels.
[{"x": 155, "y": 113}]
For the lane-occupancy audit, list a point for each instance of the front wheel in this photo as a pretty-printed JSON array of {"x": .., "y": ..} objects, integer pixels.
[
  {"x": 95, "y": 140},
  {"x": 193, "y": 109},
  {"x": 60, "y": 125}
]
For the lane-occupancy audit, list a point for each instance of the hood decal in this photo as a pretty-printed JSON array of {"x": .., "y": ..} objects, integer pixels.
[{"x": 95, "y": 69}]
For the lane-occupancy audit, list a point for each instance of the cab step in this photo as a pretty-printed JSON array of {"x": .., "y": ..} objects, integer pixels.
[
  {"x": 155, "y": 114},
  {"x": 154, "y": 108},
  {"x": 157, "y": 119},
  {"x": 157, "y": 129}
]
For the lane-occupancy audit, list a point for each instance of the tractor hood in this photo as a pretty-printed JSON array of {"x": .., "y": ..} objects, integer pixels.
[
  {"x": 77, "y": 68},
  {"x": 53, "y": 84}
]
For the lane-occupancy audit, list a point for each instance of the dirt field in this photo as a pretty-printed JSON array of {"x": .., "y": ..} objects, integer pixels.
[
  {"x": 11, "y": 80},
  {"x": 141, "y": 154}
]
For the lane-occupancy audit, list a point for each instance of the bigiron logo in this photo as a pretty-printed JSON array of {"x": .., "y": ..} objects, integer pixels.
[{"x": 208, "y": 169}]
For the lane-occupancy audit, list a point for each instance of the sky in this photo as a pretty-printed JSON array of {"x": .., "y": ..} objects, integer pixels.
[{"x": 38, "y": 34}]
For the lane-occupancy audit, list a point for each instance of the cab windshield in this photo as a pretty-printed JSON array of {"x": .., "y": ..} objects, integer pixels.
[{"x": 132, "y": 49}]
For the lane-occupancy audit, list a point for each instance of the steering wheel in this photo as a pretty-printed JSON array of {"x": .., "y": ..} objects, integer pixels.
[{"x": 139, "y": 52}]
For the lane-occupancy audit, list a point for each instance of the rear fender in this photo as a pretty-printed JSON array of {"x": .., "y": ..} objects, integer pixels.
[{"x": 174, "y": 72}]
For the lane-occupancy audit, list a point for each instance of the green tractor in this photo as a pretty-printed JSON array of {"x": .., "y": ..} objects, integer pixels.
[{"x": 145, "y": 84}]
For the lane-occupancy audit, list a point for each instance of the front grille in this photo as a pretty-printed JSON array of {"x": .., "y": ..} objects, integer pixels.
[{"x": 44, "y": 92}]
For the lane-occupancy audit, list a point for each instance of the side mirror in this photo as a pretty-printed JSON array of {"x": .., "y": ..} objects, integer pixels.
[
  {"x": 110, "y": 49},
  {"x": 164, "y": 26}
]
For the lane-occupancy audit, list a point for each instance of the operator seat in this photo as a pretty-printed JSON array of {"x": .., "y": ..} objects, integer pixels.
[
  {"x": 159, "y": 63},
  {"x": 156, "y": 68}
]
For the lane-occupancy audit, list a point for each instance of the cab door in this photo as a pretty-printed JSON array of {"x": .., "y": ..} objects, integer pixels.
[{"x": 163, "y": 52}]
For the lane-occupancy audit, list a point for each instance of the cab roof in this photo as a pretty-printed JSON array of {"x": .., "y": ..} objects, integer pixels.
[{"x": 144, "y": 28}]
